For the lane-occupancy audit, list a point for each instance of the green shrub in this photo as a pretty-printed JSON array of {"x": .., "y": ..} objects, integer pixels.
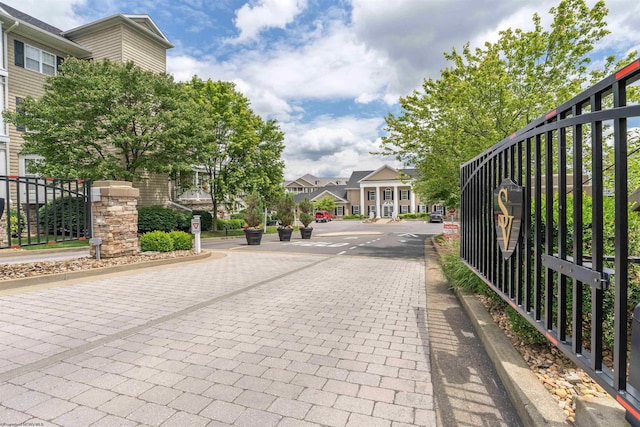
[
  {"x": 184, "y": 221},
  {"x": 18, "y": 222},
  {"x": 63, "y": 215},
  {"x": 230, "y": 224},
  {"x": 421, "y": 215},
  {"x": 206, "y": 220},
  {"x": 156, "y": 218},
  {"x": 459, "y": 275},
  {"x": 524, "y": 330},
  {"x": 181, "y": 240},
  {"x": 239, "y": 215},
  {"x": 158, "y": 241},
  {"x": 353, "y": 217}
]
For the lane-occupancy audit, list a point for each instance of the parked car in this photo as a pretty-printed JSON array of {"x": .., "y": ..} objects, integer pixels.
[
  {"x": 323, "y": 216},
  {"x": 435, "y": 217}
]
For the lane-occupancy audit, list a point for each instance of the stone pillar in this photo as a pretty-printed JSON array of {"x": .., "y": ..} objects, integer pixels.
[{"x": 115, "y": 218}]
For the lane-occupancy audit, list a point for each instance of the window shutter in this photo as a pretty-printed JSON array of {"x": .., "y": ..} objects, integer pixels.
[
  {"x": 18, "y": 47},
  {"x": 59, "y": 60},
  {"x": 18, "y": 101}
]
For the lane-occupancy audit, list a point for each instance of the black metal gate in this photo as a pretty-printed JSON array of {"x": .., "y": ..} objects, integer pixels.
[
  {"x": 43, "y": 210},
  {"x": 537, "y": 226}
]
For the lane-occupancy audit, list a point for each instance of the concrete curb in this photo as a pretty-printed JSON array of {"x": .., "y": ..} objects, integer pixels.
[
  {"x": 71, "y": 275},
  {"x": 533, "y": 402}
]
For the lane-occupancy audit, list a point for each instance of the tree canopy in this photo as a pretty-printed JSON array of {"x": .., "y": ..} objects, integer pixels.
[
  {"x": 104, "y": 120},
  {"x": 490, "y": 92},
  {"x": 327, "y": 203},
  {"x": 239, "y": 151}
]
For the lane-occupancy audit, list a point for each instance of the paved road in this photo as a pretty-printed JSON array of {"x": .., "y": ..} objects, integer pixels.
[{"x": 255, "y": 338}]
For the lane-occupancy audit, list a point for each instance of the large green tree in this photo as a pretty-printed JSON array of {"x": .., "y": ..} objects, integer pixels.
[
  {"x": 239, "y": 151},
  {"x": 104, "y": 120},
  {"x": 490, "y": 92}
]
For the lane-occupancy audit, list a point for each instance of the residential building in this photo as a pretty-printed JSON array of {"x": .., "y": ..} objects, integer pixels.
[
  {"x": 383, "y": 193},
  {"x": 31, "y": 50},
  {"x": 309, "y": 183}
]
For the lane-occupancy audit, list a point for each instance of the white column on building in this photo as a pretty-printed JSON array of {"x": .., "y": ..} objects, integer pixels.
[
  {"x": 396, "y": 197},
  {"x": 377, "y": 201},
  {"x": 362, "y": 212},
  {"x": 412, "y": 197}
]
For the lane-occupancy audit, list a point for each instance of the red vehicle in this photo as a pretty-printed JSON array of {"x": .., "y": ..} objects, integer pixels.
[{"x": 323, "y": 216}]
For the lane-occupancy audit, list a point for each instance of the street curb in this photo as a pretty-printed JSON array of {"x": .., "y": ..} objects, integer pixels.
[
  {"x": 532, "y": 401},
  {"x": 71, "y": 275}
]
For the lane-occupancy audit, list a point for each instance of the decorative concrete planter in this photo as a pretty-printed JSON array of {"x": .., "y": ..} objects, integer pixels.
[
  {"x": 305, "y": 232},
  {"x": 253, "y": 236},
  {"x": 285, "y": 234}
]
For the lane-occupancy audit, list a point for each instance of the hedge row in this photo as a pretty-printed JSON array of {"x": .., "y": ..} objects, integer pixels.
[
  {"x": 157, "y": 218},
  {"x": 161, "y": 241}
]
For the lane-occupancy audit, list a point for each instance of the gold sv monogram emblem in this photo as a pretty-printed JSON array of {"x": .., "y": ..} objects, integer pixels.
[{"x": 505, "y": 221}]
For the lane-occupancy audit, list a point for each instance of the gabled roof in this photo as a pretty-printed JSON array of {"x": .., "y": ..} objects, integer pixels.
[
  {"x": 28, "y": 26},
  {"x": 15, "y": 13},
  {"x": 358, "y": 176},
  {"x": 142, "y": 24},
  {"x": 337, "y": 191},
  {"x": 300, "y": 182},
  {"x": 378, "y": 170}
]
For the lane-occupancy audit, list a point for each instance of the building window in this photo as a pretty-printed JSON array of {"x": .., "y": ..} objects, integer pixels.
[
  {"x": 371, "y": 209},
  {"x": 27, "y": 163},
  {"x": 355, "y": 210},
  {"x": 35, "y": 59},
  {"x": 422, "y": 208},
  {"x": 404, "y": 194},
  {"x": 404, "y": 209},
  {"x": 371, "y": 195},
  {"x": 388, "y": 194},
  {"x": 339, "y": 210}
]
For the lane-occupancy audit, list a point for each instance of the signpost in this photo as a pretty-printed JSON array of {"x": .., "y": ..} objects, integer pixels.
[
  {"x": 450, "y": 230},
  {"x": 195, "y": 230}
]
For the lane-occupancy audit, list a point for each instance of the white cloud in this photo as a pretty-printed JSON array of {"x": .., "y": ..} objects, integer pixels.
[
  {"x": 57, "y": 13},
  {"x": 332, "y": 146},
  {"x": 251, "y": 19}
]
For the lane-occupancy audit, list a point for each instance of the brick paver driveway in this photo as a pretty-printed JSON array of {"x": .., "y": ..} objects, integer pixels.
[{"x": 251, "y": 339}]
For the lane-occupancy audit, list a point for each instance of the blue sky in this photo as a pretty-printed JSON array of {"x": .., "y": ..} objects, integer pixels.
[{"x": 328, "y": 70}]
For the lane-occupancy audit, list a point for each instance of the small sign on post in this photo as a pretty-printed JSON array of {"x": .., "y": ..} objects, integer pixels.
[
  {"x": 450, "y": 230},
  {"x": 195, "y": 230}
]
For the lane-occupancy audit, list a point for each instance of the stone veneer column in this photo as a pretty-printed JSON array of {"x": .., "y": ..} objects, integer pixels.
[{"x": 115, "y": 218}]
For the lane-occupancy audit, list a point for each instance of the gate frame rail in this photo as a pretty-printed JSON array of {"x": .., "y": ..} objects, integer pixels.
[
  {"x": 27, "y": 195},
  {"x": 526, "y": 279}
]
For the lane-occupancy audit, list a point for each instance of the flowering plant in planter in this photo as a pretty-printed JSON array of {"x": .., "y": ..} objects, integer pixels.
[
  {"x": 252, "y": 219},
  {"x": 285, "y": 216},
  {"x": 306, "y": 207}
]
